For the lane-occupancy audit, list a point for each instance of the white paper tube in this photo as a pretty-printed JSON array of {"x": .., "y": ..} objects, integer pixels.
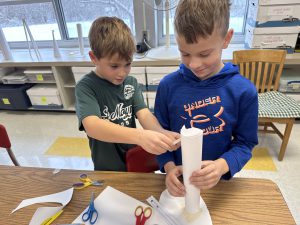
[
  {"x": 167, "y": 11},
  {"x": 80, "y": 38},
  {"x": 144, "y": 16},
  {"x": 35, "y": 47},
  {"x": 7, "y": 55},
  {"x": 191, "y": 146},
  {"x": 56, "y": 51}
]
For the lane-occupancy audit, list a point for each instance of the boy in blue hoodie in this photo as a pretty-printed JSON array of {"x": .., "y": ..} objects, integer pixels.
[{"x": 206, "y": 93}]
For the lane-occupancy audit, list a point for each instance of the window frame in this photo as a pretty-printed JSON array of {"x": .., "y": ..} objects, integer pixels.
[
  {"x": 65, "y": 41},
  {"x": 238, "y": 38},
  {"x": 154, "y": 26}
]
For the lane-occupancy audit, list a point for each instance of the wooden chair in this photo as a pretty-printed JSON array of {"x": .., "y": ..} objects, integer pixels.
[
  {"x": 5, "y": 143},
  {"x": 138, "y": 160},
  {"x": 264, "y": 67}
]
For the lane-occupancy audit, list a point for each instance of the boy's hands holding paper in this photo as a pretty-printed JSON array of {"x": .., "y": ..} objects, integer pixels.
[
  {"x": 209, "y": 174},
  {"x": 154, "y": 138},
  {"x": 174, "y": 185},
  {"x": 158, "y": 142},
  {"x": 205, "y": 178}
]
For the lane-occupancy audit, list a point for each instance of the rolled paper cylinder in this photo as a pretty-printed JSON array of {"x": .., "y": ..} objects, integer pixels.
[
  {"x": 56, "y": 52},
  {"x": 191, "y": 147},
  {"x": 80, "y": 38},
  {"x": 7, "y": 55}
]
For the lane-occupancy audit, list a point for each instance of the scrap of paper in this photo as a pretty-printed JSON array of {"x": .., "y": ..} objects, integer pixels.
[
  {"x": 56, "y": 171},
  {"x": 43, "y": 213},
  {"x": 177, "y": 141},
  {"x": 175, "y": 206}
]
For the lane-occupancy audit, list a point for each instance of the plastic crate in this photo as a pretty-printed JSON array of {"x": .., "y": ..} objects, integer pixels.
[
  {"x": 14, "y": 96},
  {"x": 39, "y": 75},
  {"x": 45, "y": 96},
  {"x": 273, "y": 13}
]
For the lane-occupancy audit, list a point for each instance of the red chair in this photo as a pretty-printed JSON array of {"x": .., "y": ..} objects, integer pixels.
[
  {"x": 138, "y": 160},
  {"x": 5, "y": 143}
]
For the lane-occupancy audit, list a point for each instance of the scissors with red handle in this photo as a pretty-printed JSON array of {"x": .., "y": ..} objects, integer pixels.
[{"x": 142, "y": 214}]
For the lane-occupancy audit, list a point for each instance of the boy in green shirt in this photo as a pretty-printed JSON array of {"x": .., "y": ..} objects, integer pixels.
[{"x": 107, "y": 100}]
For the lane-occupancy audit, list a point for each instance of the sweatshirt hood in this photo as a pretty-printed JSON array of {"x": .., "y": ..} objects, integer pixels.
[{"x": 227, "y": 72}]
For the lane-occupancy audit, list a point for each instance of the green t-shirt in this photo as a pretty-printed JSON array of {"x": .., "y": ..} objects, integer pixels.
[{"x": 118, "y": 104}]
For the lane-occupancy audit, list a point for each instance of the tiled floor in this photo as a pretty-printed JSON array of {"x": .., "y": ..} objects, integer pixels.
[{"x": 32, "y": 133}]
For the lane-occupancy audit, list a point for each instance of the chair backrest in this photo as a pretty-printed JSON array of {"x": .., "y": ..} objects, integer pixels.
[
  {"x": 138, "y": 160},
  {"x": 5, "y": 143},
  {"x": 262, "y": 66},
  {"x": 4, "y": 139}
]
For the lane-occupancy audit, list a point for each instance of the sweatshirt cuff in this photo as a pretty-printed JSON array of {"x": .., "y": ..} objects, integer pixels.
[
  {"x": 233, "y": 166},
  {"x": 163, "y": 159}
]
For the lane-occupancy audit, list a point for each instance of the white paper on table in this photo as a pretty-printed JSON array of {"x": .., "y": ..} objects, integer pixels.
[
  {"x": 191, "y": 148},
  {"x": 175, "y": 206},
  {"x": 117, "y": 208},
  {"x": 43, "y": 213}
]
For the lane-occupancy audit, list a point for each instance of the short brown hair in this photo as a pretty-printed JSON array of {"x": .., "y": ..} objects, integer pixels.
[
  {"x": 199, "y": 18},
  {"x": 109, "y": 36}
]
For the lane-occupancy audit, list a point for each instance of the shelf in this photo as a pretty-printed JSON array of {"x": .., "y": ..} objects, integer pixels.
[
  {"x": 69, "y": 85},
  {"x": 65, "y": 80}
]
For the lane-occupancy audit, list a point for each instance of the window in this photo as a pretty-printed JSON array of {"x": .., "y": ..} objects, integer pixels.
[
  {"x": 86, "y": 11},
  {"x": 43, "y": 16},
  {"x": 237, "y": 21},
  {"x": 39, "y": 16},
  {"x": 238, "y": 12}
]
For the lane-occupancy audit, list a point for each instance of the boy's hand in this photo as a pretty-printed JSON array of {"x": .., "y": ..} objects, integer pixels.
[
  {"x": 156, "y": 142},
  {"x": 209, "y": 174},
  {"x": 174, "y": 136},
  {"x": 174, "y": 185}
]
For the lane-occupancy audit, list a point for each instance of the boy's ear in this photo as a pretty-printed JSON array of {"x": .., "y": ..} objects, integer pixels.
[
  {"x": 92, "y": 57},
  {"x": 228, "y": 38}
]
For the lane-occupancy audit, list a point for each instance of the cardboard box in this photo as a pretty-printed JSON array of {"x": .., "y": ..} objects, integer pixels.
[
  {"x": 272, "y": 37},
  {"x": 273, "y": 13},
  {"x": 45, "y": 96}
]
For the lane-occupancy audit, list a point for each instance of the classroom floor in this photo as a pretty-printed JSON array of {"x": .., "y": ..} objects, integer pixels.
[{"x": 33, "y": 132}]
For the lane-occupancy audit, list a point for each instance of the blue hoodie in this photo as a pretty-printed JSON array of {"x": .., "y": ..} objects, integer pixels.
[{"x": 224, "y": 106}]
